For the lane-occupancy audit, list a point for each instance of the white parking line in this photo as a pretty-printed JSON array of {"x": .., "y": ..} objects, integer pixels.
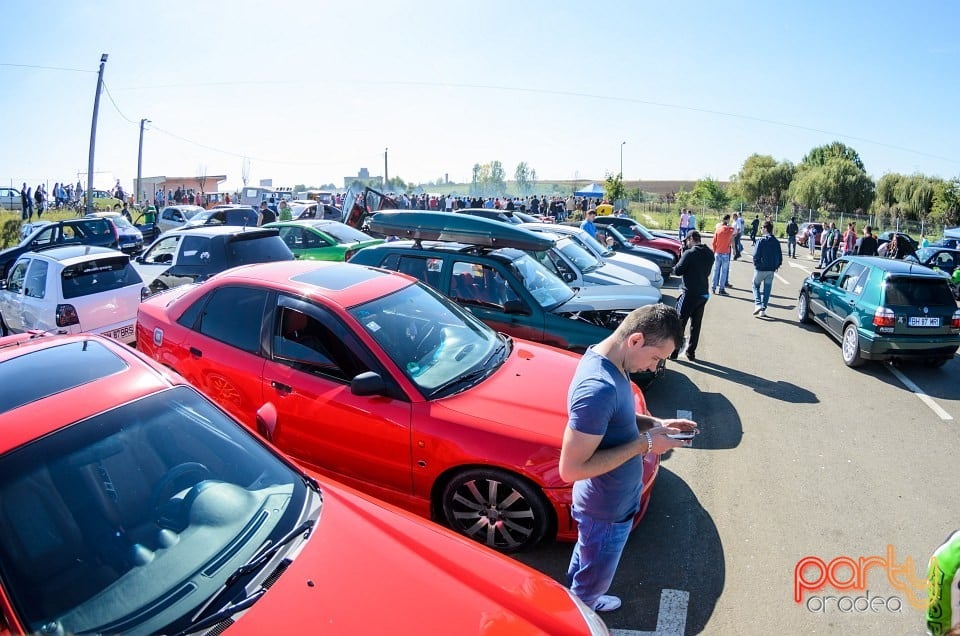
[
  {"x": 926, "y": 399},
  {"x": 798, "y": 266},
  {"x": 671, "y": 619},
  {"x": 781, "y": 279}
]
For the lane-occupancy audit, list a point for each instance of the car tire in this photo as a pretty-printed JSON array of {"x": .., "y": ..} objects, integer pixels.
[
  {"x": 497, "y": 508},
  {"x": 850, "y": 346},
  {"x": 803, "y": 309}
]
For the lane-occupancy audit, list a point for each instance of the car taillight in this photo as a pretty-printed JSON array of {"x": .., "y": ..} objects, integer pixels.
[
  {"x": 348, "y": 255},
  {"x": 144, "y": 293},
  {"x": 955, "y": 323},
  {"x": 67, "y": 315},
  {"x": 884, "y": 317}
]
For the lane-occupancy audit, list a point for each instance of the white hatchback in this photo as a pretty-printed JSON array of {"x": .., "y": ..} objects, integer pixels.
[{"x": 71, "y": 290}]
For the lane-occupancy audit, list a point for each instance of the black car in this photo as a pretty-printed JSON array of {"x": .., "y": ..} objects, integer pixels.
[
  {"x": 86, "y": 231},
  {"x": 193, "y": 255},
  {"x": 944, "y": 259},
  {"x": 884, "y": 237},
  {"x": 129, "y": 236}
]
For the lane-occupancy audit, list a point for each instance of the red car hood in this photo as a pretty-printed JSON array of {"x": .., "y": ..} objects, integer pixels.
[
  {"x": 373, "y": 569},
  {"x": 531, "y": 370}
]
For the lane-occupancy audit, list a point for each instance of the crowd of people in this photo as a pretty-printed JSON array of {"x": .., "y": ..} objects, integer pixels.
[
  {"x": 558, "y": 208},
  {"x": 38, "y": 200}
]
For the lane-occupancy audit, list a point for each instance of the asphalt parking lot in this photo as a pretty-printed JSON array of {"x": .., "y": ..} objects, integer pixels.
[{"x": 850, "y": 473}]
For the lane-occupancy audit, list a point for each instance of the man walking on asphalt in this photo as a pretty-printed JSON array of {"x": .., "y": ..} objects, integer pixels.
[
  {"x": 694, "y": 266},
  {"x": 792, "y": 230},
  {"x": 767, "y": 259}
]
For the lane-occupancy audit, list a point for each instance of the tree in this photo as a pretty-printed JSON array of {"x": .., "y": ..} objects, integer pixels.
[
  {"x": 946, "y": 203},
  {"x": 613, "y": 187},
  {"x": 820, "y": 155},
  {"x": 522, "y": 176},
  {"x": 710, "y": 193},
  {"x": 498, "y": 183},
  {"x": 762, "y": 181},
  {"x": 533, "y": 180},
  {"x": 832, "y": 178}
]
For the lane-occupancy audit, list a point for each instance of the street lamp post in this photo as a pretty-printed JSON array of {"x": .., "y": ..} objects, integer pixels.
[
  {"x": 622, "y": 144},
  {"x": 140, "y": 159},
  {"x": 93, "y": 134},
  {"x": 386, "y": 178}
]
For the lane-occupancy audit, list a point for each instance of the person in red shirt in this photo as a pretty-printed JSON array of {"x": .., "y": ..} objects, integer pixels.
[{"x": 722, "y": 239}]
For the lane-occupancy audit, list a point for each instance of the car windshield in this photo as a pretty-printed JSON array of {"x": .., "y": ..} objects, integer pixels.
[
  {"x": 592, "y": 244},
  {"x": 121, "y": 221},
  {"x": 548, "y": 290},
  {"x": 103, "y": 274},
  {"x": 431, "y": 339},
  {"x": 133, "y": 519},
  {"x": 584, "y": 260},
  {"x": 641, "y": 231},
  {"x": 344, "y": 233},
  {"x": 925, "y": 253}
]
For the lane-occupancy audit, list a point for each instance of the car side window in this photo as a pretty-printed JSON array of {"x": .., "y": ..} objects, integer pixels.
[
  {"x": 292, "y": 237},
  {"x": 832, "y": 274},
  {"x": 44, "y": 237},
  {"x": 308, "y": 340},
  {"x": 234, "y": 315},
  {"x": 195, "y": 251},
  {"x": 164, "y": 251},
  {"x": 16, "y": 276},
  {"x": 852, "y": 279},
  {"x": 426, "y": 270},
  {"x": 35, "y": 284}
]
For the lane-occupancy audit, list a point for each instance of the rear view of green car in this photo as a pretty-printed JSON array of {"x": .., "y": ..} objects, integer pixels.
[
  {"x": 320, "y": 240},
  {"x": 883, "y": 309}
]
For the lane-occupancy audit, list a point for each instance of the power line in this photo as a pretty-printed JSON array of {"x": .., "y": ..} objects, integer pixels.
[{"x": 48, "y": 68}]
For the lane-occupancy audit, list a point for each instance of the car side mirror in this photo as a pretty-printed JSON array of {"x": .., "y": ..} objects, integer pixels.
[
  {"x": 368, "y": 383},
  {"x": 514, "y": 307},
  {"x": 163, "y": 258},
  {"x": 815, "y": 276},
  {"x": 569, "y": 277},
  {"x": 3, "y": 283}
]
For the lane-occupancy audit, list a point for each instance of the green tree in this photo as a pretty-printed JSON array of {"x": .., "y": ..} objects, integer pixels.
[
  {"x": 762, "y": 181},
  {"x": 832, "y": 178},
  {"x": 522, "y": 176},
  {"x": 945, "y": 208},
  {"x": 820, "y": 155},
  {"x": 497, "y": 181},
  {"x": 710, "y": 193},
  {"x": 613, "y": 187}
]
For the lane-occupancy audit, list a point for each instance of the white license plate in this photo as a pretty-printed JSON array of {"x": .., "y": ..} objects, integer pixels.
[
  {"x": 923, "y": 321},
  {"x": 119, "y": 334}
]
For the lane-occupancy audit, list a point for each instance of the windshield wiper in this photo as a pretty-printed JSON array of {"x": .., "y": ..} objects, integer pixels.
[
  {"x": 259, "y": 561},
  {"x": 222, "y": 613},
  {"x": 460, "y": 379}
]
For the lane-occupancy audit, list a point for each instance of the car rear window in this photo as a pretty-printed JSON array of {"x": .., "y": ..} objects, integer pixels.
[
  {"x": 902, "y": 290},
  {"x": 245, "y": 249},
  {"x": 39, "y": 374},
  {"x": 102, "y": 274}
]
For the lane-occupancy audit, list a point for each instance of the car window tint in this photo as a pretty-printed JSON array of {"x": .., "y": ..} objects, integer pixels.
[
  {"x": 16, "y": 276},
  {"x": 100, "y": 275},
  {"x": 234, "y": 315},
  {"x": 35, "y": 285},
  {"x": 832, "y": 273},
  {"x": 307, "y": 344},
  {"x": 195, "y": 251},
  {"x": 427, "y": 270},
  {"x": 260, "y": 249},
  {"x": 44, "y": 237},
  {"x": 292, "y": 236},
  {"x": 850, "y": 278},
  {"x": 904, "y": 290}
]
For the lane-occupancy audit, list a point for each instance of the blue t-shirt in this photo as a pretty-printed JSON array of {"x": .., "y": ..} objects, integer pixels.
[
  {"x": 590, "y": 227},
  {"x": 601, "y": 402}
]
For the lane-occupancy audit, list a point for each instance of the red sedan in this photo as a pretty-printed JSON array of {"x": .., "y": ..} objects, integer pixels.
[
  {"x": 374, "y": 379},
  {"x": 131, "y": 504}
]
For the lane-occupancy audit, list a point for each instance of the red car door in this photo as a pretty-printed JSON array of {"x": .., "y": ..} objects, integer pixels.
[{"x": 361, "y": 440}]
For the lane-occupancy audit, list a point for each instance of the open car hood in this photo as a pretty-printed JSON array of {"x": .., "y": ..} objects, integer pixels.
[{"x": 625, "y": 297}]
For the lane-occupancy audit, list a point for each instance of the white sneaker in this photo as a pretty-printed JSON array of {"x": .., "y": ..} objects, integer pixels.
[
  {"x": 763, "y": 314},
  {"x": 607, "y": 603},
  {"x": 757, "y": 310}
]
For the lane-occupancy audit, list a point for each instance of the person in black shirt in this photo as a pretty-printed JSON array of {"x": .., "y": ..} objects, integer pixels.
[
  {"x": 694, "y": 266},
  {"x": 867, "y": 245}
]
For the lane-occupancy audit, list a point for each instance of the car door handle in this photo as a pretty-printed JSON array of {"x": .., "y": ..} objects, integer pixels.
[
  {"x": 196, "y": 352},
  {"x": 281, "y": 387}
]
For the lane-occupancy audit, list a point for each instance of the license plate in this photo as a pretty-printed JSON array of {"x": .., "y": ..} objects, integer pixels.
[
  {"x": 119, "y": 334},
  {"x": 923, "y": 321}
]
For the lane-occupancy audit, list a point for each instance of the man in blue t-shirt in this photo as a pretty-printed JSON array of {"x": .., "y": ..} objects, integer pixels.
[
  {"x": 588, "y": 224},
  {"x": 603, "y": 446}
]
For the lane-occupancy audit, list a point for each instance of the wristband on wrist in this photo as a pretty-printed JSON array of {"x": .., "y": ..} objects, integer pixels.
[{"x": 649, "y": 442}]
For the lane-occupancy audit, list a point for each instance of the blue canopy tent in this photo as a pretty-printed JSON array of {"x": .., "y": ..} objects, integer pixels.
[{"x": 592, "y": 190}]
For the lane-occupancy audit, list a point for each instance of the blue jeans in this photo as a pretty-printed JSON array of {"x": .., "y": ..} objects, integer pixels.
[
  {"x": 792, "y": 245},
  {"x": 595, "y": 556},
  {"x": 721, "y": 267},
  {"x": 765, "y": 279}
]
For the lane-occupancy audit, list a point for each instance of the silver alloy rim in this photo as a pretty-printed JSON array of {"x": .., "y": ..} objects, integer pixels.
[
  {"x": 802, "y": 307},
  {"x": 501, "y": 518},
  {"x": 849, "y": 343}
]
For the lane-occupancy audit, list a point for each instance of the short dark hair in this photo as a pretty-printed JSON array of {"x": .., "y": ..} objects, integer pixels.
[
  {"x": 768, "y": 227},
  {"x": 658, "y": 323},
  {"x": 694, "y": 235},
  {"x": 726, "y": 217}
]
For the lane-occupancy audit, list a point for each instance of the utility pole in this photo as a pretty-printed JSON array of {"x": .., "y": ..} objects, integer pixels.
[
  {"x": 140, "y": 159},
  {"x": 386, "y": 179},
  {"x": 93, "y": 134}
]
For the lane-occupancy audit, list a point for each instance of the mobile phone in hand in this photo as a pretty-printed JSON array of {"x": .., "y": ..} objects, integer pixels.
[{"x": 684, "y": 435}]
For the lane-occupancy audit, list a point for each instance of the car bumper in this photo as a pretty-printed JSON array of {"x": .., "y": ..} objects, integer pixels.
[
  {"x": 872, "y": 348},
  {"x": 562, "y": 501}
]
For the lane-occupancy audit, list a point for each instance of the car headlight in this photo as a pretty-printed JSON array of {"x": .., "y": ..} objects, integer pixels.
[{"x": 593, "y": 621}]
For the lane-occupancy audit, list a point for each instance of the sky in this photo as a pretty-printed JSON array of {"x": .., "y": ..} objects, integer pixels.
[{"x": 308, "y": 92}]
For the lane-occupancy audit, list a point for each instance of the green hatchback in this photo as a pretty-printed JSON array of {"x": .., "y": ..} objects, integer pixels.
[
  {"x": 883, "y": 309},
  {"x": 322, "y": 240}
]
